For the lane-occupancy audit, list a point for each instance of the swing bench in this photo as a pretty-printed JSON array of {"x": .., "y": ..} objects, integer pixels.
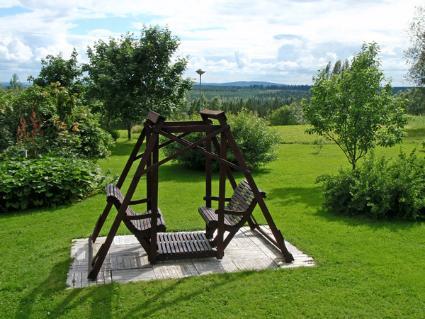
[
  {"x": 221, "y": 223},
  {"x": 236, "y": 213}
]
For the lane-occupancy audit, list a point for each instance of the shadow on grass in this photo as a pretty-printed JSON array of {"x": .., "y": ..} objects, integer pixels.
[
  {"x": 394, "y": 225},
  {"x": 312, "y": 197},
  {"x": 159, "y": 302},
  {"x": 33, "y": 211},
  {"x": 415, "y": 132},
  {"x": 100, "y": 297},
  {"x": 123, "y": 147},
  {"x": 287, "y": 196}
]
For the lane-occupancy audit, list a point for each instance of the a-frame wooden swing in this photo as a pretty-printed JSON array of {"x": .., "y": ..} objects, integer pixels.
[{"x": 221, "y": 224}]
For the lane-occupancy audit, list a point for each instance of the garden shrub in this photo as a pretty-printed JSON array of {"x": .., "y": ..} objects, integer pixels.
[
  {"x": 94, "y": 141},
  {"x": 380, "y": 189},
  {"x": 115, "y": 134},
  {"x": 291, "y": 114},
  {"x": 47, "y": 181},
  {"x": 137, "y": 129},
  {"x": 50, "y": 121},
  {"x": 254, "y": 137}
]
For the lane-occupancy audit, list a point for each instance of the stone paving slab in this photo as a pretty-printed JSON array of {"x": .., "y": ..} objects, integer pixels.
[{"x": 127, "y": 261}]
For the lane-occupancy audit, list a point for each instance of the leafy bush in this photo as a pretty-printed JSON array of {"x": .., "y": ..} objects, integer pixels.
[
  {"x": 50, "y": 120},
  {"x": 115, "y": 134},
  {"x": 254, "y": 137},
  {"x": 291, "y": 114},
  {"x": 137, "y": 128},
  {"x": 47, "y": 181},
  {"x": 379, "y": 189},
  {"x": 94, "y": 141}
]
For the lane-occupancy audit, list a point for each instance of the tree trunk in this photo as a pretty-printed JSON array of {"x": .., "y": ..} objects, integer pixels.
[{"x": 129, "y": 131}]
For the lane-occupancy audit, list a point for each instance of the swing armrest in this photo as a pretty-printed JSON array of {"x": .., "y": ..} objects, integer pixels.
[
  {"x": 141, "y": 216},
  {"x": 227, "y": 199},
  {"x": 138, "y": 201},
  {"x": 231, "y": 212}
]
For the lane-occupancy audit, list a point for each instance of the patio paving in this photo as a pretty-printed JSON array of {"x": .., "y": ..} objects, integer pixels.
[{"x": 127, "y": 261}]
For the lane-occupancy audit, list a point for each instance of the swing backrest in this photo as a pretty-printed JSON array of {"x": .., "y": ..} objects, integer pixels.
[{"x": 243, "y": 198}]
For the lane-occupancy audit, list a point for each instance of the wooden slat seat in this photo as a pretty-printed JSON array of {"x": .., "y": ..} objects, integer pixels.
[
  {"x": 240, "y": 204},
  {"x": 209, "y": 215},
  {"x": 138, "y": 224}
]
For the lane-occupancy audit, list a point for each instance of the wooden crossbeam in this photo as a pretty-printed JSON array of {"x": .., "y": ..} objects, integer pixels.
[{"x": 154, "y": 126}]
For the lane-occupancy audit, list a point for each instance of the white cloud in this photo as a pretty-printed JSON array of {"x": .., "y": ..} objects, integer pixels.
[
  {"x": 12, "y": 49},
  {"x": 278, "y": 40}
]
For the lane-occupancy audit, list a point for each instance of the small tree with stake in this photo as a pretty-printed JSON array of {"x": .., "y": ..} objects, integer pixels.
[{"x": 352, "y": 105}]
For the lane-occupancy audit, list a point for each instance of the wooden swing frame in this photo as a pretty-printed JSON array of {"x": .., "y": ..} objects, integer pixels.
[{"x": 149, "y": 162}]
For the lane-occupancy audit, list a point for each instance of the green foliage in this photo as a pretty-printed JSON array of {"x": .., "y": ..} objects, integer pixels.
[
  {"x": 133, "y": 75},
  {"x": 115, "y": 134},
  {"x": 416, "y": 53},
  {"x": 258, "y": 99},
  {"x": 94, "y": 141},
  {"x": 14, "y": 83},
  {"x": 415, "y": 101},
  {"x": 291, "y": 114},
  {"x": 50, "y": 120},
  {"x": 379, "y": 189},
  {"x": 254, "y": 137},
  {"x": 56, "y": 69},
  {"x": 351, "y": 107},
  {"x": 46, "y": 182},
  {"x": 137, "y": 128}
]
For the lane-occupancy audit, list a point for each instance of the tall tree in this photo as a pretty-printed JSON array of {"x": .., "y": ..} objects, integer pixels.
[
  {"x": 14, "y": 82},
  {"x": 353, "y": 109},
  {"x": 416, "y": 57},
  {"x": 57, "y": 69},
  {"x": 416, "y": 53},
  {"x": 132, "y": 75}
]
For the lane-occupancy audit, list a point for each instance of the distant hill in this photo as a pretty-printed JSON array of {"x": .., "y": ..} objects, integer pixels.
[
  {"x": 251, "y": 84},
  {"x": 5, "y": 85}
]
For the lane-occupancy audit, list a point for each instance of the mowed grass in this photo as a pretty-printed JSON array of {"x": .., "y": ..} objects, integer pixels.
[{"x": 365, "y": 268}]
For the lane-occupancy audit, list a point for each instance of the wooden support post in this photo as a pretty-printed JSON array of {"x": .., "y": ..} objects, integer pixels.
[
  {"x": 266, "y": 213},
  {"x": 228, "y": 170},
  {"x": 102, "y": 218},
  {"x": 222, "y": 196},
  {"x": 148, "y": 174},
  {"x": 154, "y": 198},
  {"x": 101, "y": 254},
  {"x": 208, "y": 172}
]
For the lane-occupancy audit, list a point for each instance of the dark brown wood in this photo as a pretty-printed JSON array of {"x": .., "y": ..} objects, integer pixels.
[
  {"x": 138, "y": 201},
  {"x": 183, "y": 245},
  {"x": 189, "y": 128},
  {"x": 221, "y": 194},
  {"x": 102, "y": 218},
  {"x": 149, "y": 227},
  {"x": 148, "y": 173},
  {"x": 208, "y": 171},
  {"x": 100, "y": 256},
  {"x": 154, "y": 117},
  {"x": 228, "y": 170},
  {"x": 171, "y": 141},
  {"x": 227, "y": 199},
  {"x": 154, "y": 199},
  {"x": 213, "y": 114},
  {"x": 195, "y": 145},
  {"x": 266, "y": 213}
]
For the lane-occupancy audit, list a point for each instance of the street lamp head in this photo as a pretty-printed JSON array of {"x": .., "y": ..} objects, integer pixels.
[{"x": 200, "y": 71}]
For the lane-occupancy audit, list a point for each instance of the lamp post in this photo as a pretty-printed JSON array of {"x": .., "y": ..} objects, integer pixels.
[{"x": 200, "y": 72}]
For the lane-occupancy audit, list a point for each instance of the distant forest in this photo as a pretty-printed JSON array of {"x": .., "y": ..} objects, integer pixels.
[{"x": 260, "y": 97}]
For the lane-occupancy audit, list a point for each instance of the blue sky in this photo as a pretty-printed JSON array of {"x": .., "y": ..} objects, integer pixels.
[{"x": 284, "y": 41}]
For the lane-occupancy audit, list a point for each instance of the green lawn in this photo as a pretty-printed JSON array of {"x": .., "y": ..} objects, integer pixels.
[{"x": 365, "y": 268}]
